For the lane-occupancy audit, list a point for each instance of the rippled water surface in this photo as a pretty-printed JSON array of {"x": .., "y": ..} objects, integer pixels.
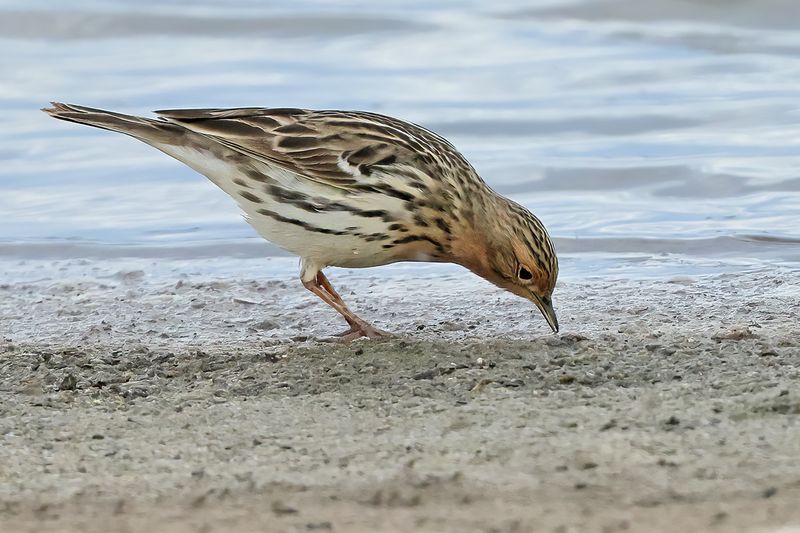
[{"x": 649, "y": 136}]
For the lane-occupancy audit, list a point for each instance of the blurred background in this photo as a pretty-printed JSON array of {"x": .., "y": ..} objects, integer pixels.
[{"x": 652, "y": 138}]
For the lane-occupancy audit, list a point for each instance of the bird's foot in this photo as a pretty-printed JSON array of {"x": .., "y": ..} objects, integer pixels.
[{"x": 357, "y": 331}]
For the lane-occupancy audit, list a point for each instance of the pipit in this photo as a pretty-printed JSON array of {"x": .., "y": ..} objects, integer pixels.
[{"x": 351, "y": 189}]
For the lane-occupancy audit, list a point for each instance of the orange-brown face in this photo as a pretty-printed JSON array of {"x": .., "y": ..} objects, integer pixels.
[
  {"x": 516, "y": 269},
  {"x": 523, "y": 276},
  {"x": 517, "y": 256}
]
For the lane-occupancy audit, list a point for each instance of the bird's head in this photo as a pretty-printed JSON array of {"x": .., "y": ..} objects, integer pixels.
[
  {"x": 514, "y": 251},
  {"x": 529, "y": 272}
]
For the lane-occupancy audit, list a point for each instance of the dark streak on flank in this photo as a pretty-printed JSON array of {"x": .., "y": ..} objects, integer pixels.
[
  {"x": 285, "y": 195},
  {"x": 250, "y": 196},
  {"x": 413, "y": 238},
  {"x": 391, "y": 191},
  {"x": 296, "y": 222},
  {"x": 376, "y": 237},
  {"x": 372, "y": 213},
  {"x": 419, "y": 221},
  {"x": 241, "y": 183},
  {"x": 317, "y": 205},
  {"x": 257, "y": 176}
]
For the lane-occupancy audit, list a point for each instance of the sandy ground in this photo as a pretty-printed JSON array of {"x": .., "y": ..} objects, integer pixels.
[{"x": 185, "y": 403}]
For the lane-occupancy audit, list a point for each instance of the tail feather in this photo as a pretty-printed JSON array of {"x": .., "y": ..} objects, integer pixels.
[
  {"x": 200, "y": 152},
  {"x": 149, "y": 130}
]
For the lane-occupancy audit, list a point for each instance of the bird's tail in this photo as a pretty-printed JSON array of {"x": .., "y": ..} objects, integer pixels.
[
  {"x": 200, "y": 152},
  {"x": 151, "y": 131}
]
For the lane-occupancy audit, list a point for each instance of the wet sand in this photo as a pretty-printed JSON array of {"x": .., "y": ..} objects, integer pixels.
[{"x": 189, "y": 403}]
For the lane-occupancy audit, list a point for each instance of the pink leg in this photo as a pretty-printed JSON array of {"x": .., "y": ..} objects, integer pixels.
[{"x": 320, "y": 286}]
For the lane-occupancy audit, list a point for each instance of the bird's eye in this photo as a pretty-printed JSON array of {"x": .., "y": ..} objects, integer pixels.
[{"x": 524, "y": 273}]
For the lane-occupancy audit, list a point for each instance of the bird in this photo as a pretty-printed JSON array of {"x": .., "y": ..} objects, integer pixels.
[{"x": 351, "y": 189}]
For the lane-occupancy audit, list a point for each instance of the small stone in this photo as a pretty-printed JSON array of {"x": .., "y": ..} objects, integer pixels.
[
  {"x": 119, "y": 507},
  {"x": 69, "y": 382},
  {"x": 608, "y": 425},
  {"x": 427, "y": 374},
  {"x": 280, "y": 508},
  {"x": 319, "y": 525},
  {"x": 769, "y": 492},
  {"x": 719, "y": 517},
  {"x": 736, "y": 333}
]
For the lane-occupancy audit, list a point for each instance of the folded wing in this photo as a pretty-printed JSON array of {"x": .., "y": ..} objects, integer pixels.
[{"x": 338, "y": 148}]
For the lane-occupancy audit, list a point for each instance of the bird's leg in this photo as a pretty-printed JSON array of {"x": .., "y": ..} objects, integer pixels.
[
  {"x": 319, "y": 285},
  {"x": 323, "y": 282}
]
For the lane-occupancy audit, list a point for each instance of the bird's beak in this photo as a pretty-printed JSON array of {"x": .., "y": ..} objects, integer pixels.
[{"x": 546, "y": 307}]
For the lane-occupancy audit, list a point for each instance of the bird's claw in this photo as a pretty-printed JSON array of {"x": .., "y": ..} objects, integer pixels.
[{"x": 356, "y": 331}]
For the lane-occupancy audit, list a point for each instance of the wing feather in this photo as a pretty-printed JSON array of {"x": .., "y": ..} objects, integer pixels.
[{"x": 338, "y": 148}]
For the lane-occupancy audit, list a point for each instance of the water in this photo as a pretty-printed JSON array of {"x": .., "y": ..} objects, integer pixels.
[{"x": 652, "y": 138}]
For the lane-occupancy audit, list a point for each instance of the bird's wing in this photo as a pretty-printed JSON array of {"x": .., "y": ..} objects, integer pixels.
[{"x": 338, "y": 148}]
